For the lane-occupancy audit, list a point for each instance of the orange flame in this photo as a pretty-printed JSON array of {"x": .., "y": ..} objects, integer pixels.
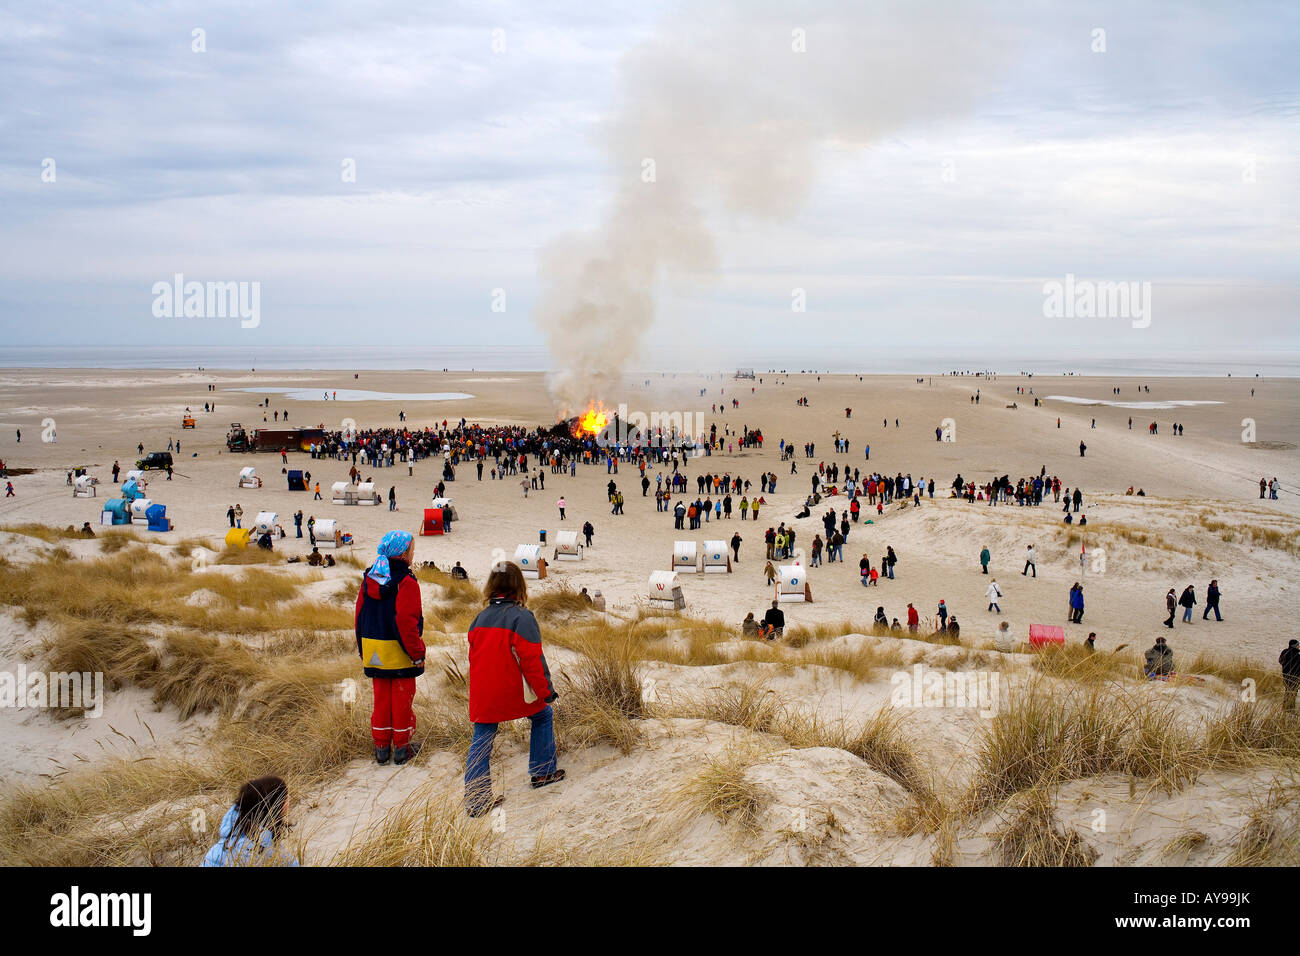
[{"x": 593, "y": 420}]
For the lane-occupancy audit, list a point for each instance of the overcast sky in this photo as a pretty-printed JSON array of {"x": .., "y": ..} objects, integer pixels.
[{"x": 476, "y": 130}]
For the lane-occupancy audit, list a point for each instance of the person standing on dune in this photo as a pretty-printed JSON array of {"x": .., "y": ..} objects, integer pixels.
[
  {"x": 508, "y": 679},
  {"x": 390, "y": 641},
  {"x": 1290, "y": 661}
]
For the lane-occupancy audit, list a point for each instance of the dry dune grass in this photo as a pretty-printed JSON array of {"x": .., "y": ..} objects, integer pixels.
[
  {"x": 1271, "y": 834},
  {"x": 880, "y": 741},
  {"x": 601, "y": 695},
  {"x": 722, "y": 789},
  {"x": 249, "y": 555},
  {"x": 430, "y": 828},
  {"x": 1032, "y": 837},
  {"x": 1074, "y": 662},
  {"x": 45, "y": 533},
  {"x": 560, "y": 604},
  {"x": 141, "y": 587},
  {"x": 1254, "y": 533},
  {"x": 1051, "y": 735}
]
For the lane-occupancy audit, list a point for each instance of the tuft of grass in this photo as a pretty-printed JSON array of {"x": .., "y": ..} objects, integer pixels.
[
  {"x": 748, "y": 704},
  {"x": 722, "y": 790},
  {"x": 1250, "y": 732},
  {"x": 1033, "y": 838},
  {"x": 1271, "y": 834},
  {"x": 1075, "y": 663},
  {"x": 31, "y": 529},
  {"x": 602, "y": 696},
  {"x": 559, "y": 604},
  {"x": 429, "y": 828}
]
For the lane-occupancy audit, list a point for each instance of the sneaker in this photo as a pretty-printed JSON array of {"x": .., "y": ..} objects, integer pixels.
[
  {"x": 488, "y": 808},
  {"x": 403, "y": 754},
  {"x": 547, "y": 779},
  {"x": 382, "y": 754}
]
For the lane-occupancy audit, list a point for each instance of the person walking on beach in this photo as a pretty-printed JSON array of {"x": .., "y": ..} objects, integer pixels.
[
  {"x": 561, "y": 505},
  {"x": 1188, "y": 601},
  {"x": 316, "y": 497},
  {"x": 913, "y": 618},
  {"x": 1171, "y": 602},
  {"x": 116, "y": 471},
  {"x": 1212, "y": 601},
  {"x": 736, "y": 539},
  {"x": 1290, "y": 661},
  {"x": 1029, "y": 561},
  {"x": 985, "y": 558},
  {"x": 230, "y": 515},
  {"x": 297, "y": 522},
  {"x": 392, "y": 498},
  {"x": 1082, "y": 449},
  {"x": 239, "y": 515},
  {"x": 891, "y": 559},
  {"x": 390, "y": 642},
  {"x": 1076, "y": 603},
  {"x": 508, "y": 679},
  {"x": 588, "y": 529},
  {"x": 993, "y": 592},
  {"x": 311, "y": 531}
]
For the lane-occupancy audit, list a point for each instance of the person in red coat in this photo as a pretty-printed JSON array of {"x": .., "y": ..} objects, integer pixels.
[
  {"x": 508, "y": 679},
  {"x": 390, "y": 629}
]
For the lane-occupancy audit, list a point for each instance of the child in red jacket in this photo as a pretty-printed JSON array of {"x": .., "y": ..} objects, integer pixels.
[
  {"x": 508, "y": 679},
  {"x": 390, "y": 629}
]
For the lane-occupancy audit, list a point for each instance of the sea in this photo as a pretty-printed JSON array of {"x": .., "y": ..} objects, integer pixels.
[{"x": 1273, "y": 364}]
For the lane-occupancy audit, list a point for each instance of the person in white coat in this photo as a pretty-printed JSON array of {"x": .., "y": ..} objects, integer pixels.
[{"x": 994, "y": 592}]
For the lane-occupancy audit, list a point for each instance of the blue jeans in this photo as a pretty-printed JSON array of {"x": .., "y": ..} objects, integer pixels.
[
  {"x": 1187, "y": 614},
  {"x": 1215, "y": 609},
  {"x": 891, "y": 572},
  {"x": 541, "y": 757}
]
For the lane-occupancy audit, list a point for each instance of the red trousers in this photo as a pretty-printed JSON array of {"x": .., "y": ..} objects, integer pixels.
[{"x": 392, "y": 721}]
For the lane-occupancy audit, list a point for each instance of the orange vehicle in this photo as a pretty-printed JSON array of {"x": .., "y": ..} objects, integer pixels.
[{"x": 188, "y": 422}]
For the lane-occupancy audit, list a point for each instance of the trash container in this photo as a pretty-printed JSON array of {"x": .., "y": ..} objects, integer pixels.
[{"x": 541, "y": 536}]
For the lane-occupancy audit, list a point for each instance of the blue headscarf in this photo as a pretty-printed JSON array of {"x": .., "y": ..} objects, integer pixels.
[{"x": 393, "y": 544}]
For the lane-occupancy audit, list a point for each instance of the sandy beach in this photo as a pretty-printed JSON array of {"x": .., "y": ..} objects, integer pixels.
[{"x": 1206, "y": 474}]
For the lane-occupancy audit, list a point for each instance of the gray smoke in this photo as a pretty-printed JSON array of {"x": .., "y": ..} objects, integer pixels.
[{"x": 734, "y": 118}]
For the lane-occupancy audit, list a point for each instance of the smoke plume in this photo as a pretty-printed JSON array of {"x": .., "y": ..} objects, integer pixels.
[{"x": 727, "y": 113}]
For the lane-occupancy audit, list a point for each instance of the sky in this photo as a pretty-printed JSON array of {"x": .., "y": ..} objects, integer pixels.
[{"x": 139, "y": 141}]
